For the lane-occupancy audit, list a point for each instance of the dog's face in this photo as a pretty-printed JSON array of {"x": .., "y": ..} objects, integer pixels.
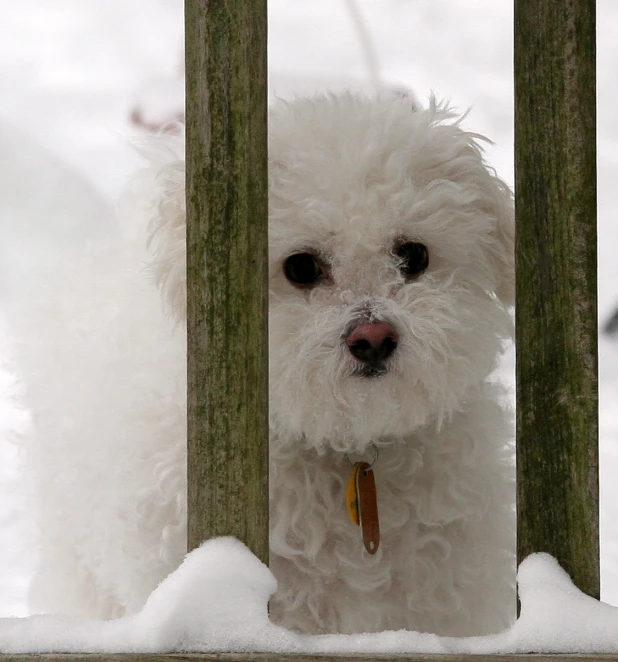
[
  {"x": 391, "y": 269},
  {"x": 391, "y": 266}
]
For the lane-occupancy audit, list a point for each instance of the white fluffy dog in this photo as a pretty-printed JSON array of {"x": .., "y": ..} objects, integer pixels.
[{"x": 391, "y": 277}]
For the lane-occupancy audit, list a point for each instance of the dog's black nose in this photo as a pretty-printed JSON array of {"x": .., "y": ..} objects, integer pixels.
[{"x": 372, "y": 342}]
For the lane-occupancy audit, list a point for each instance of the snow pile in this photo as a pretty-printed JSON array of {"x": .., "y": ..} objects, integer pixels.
[
  {"x": 218, "y": 601},
  {"x": 556, "y": 617}
]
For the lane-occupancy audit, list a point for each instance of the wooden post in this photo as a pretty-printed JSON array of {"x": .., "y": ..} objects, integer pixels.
[
  {"x": 556, "y": 339},
  {"x": 227, "y": 210}
]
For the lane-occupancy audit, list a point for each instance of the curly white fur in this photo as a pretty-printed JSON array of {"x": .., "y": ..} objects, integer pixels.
[{"x": 349, "y": 178}]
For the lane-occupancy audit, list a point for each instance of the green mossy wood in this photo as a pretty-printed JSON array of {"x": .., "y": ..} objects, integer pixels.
[
  {"x": 297, "y": 657},
  {"x": 556, "y": 339},
  {"x": 227, "y": 211}
]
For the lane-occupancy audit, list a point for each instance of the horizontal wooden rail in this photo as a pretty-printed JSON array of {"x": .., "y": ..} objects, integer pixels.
[{"x": 275, "y": 657}]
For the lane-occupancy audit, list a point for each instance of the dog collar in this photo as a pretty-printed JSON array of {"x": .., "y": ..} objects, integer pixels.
[{"x": 362, "y": 502}]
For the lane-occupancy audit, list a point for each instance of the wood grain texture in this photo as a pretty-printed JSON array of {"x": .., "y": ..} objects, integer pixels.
[
  {"x": 556, "y": 338},
  {"x": 274, "y": 657},
  {"x": 227, "y": 210}
]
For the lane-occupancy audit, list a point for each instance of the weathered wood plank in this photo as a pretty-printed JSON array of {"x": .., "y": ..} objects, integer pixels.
[
  {"x": 227, "y": 211},
  {"x": 271, "y": 657},
  {"x": 556, "y": 338}
]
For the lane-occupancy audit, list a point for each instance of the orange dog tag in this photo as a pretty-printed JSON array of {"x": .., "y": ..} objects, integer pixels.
[{"x": 362, "y": 504}]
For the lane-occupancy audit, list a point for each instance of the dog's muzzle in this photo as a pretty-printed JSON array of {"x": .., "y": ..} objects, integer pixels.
[{"x": 371, "y": 344}]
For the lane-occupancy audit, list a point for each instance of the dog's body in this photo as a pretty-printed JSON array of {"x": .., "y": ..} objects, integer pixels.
[{"x": 391, "y": 273}]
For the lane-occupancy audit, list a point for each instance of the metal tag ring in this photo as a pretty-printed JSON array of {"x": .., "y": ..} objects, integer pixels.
[{"x": 375, "y": 459}]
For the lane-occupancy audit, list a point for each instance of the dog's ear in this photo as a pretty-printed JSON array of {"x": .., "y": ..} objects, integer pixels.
[
  {"x": 504, "y": 247},
  {"x": 462, "y": 160},
  {"x": 161, "y": 191},
  {"x": 167, "y": 239},
  {"x": 495, "y": 202}
]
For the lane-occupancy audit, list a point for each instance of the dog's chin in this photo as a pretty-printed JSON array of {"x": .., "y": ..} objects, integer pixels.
[
  {"x": 370, "y": 370},
  {"x": 372, "y": 404}
]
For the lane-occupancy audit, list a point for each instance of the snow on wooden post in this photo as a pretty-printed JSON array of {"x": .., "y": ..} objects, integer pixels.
[
  {"x": 227, "y": 211},
  {"x": 555, "y": 201}
]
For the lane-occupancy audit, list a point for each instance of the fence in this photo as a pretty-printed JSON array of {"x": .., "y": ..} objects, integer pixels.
[{"x": 556, "y": 287}]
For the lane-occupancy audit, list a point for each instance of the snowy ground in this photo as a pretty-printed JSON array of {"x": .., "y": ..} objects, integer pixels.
[
  {"x": 217, "y": 600},
  {"x": 71, "y": 71}
]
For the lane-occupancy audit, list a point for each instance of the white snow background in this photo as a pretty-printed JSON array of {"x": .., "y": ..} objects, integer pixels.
[{"x": 70, "y": 75}]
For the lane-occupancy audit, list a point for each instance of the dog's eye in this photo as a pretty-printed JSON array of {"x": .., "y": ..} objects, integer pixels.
[
  {"x": 302, "y": 269},
  {"x": 414, "y": 258}
]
